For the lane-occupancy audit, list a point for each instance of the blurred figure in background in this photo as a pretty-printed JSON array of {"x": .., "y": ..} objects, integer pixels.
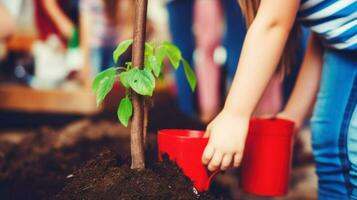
[
  {"x": 8, "y": 26},
  {"x": 208, "y": 19},
  {"x": 7, "y": 21},
  {"x": 103, "y": 23},
  {"x": 56, "y": 52},
  {"x": 53, "y": 17},
  {"x": 98, "y": 33},
  {"x": 234, "y": 35},
  {"x": 180, "y": 25}
]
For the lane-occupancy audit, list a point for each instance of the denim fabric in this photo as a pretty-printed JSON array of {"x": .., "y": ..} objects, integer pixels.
[{"x": 334, "y": 127}]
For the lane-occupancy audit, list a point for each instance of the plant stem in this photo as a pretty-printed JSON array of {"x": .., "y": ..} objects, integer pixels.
[
  {"x": 146, "y": 118},
  {"x": 136, "y": 141}
]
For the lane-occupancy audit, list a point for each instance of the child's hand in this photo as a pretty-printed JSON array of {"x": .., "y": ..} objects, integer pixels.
[{"x": 227, "y": 134}]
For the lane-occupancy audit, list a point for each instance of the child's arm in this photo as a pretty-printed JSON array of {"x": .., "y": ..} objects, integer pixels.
[
  {"x": 262, "y": 49},
  {"x": 64, "y": 24},
  {"x": 307, "y": 84}
]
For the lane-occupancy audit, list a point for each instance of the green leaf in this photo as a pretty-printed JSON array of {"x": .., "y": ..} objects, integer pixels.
[
  {"x": 160, "y": 55},
  {"x": 103, "y": 83},
  {"x": 142, "y": 81},
  {"x": 121, "y": 48},
  {"x": 174, "y": 54},
  {"x": 190, "y": 75},
  {"x": 149, "y": 49},
  {"x": 125, "y": 111},
  {"x": 125, "y": 78},
  {"x": 152, "y": 64}
]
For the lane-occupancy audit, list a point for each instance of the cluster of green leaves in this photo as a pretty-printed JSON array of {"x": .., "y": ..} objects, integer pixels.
[{"x": 142, "y": 81}]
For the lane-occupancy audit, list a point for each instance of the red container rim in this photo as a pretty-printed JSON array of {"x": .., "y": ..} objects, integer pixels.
[
  {"x": 182, "y": 133},
  {"x": 274, "y": 119},
  {"x": 272, "y": 123}
]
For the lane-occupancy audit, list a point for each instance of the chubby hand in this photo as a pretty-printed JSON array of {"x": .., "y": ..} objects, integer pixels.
[{"x": 227, "y": 134}]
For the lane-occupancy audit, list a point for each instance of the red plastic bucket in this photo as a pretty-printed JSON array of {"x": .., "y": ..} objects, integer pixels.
[
  {"x": 266, "y": 162},
  {"x": 186, "y": 147},
  {"x": 267, "y": 157}
]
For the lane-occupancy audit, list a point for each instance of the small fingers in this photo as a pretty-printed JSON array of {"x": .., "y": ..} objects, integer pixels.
[
  {"x": 237, "y": 159},
  {"x": 208, "y": 132},
  {"x": 207, "y": 154},
  {"x": 226, "y": 161},
  {"x": 215, "y": 161}
]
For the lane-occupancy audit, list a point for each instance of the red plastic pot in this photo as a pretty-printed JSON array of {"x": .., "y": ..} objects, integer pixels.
[
  {"x": 267, "y": 157},
  {"x": 185, "y": 147},
  {"x": 266, "y": 162}
]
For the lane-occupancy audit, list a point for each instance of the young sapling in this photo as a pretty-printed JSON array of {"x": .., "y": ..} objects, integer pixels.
[{"x": 138, "y": 80}]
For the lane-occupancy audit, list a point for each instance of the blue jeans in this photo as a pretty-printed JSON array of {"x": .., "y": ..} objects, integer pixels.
[{"x": 334, "y": 127}]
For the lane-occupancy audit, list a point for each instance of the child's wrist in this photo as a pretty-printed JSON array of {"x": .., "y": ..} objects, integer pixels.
[{"x": 236, "y": 113}]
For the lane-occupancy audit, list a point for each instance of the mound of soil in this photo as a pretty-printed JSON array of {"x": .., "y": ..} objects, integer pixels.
[
  {"x": 58, "y": 161},
  {"x": 26, "y": 174},
  {"x": 108, "y": 177},
  {"x": 37, "y": 167}
]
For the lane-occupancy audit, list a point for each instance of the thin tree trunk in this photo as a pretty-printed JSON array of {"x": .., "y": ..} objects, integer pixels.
[
  {"x": 146, "y": 119},
  {"x": 137, "y": 143}
]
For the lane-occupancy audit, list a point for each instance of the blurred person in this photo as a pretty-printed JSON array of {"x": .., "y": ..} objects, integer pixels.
[
  {"x": 15, "y": 22},
  {"x": 181, "y": 21},
  {"x": 8, "y": 26},
  {"x": 57, "y": 56},
  {"x": 98, "y": 35},
  {"x": 207, "y": 38},
  {"x": 7, "y": 22},
  {"x": 180, "y": 26},
  {"x": 329, "y": 69},
  {"x": 53, "y": 17},
  {"x": 234, "y": 35},
  {"x": 103, "y": 23},
  {"x": 208, "y": 19},
  {"x": 125, "y": 19},
  {"x": 9, "y": 14}
]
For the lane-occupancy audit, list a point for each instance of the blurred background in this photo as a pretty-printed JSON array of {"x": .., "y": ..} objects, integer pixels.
[{"x": 50, "y": 50}]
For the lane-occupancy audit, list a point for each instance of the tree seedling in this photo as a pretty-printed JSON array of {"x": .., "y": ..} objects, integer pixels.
[{"x": 138, "y": 79}]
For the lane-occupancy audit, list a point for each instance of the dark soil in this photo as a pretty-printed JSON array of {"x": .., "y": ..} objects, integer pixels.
[
  {"x": 108, "y": 177},
  {"x": 29, "y": 172},
  {"x": 60, "y": 161}
]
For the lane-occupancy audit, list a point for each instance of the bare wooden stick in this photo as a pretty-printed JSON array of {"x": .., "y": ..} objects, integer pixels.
[{"x": 137, "y": 128}]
